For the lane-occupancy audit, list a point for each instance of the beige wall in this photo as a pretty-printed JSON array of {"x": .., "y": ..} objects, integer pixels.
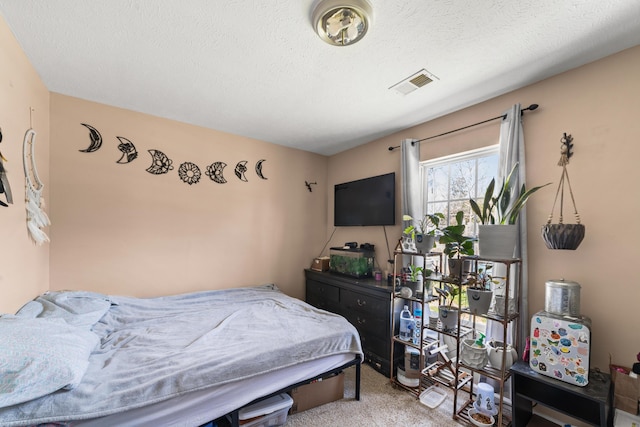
[
  {"x": 122, "y": 230},
  {"x": 24, "y": 267},
  {"x": 598, "y": 105}
]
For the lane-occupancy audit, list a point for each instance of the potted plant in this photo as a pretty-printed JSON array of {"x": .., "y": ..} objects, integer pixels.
[
  {"x": 456, "y": 244},
  {"x": 447, "y": 313},
  {"x": 426, "y": 230},
  {"x": 479, "y": 292},
  {"x": 497, "y": 231},
  {"x": 408, "y": 240},
  {"x": 413, "y": 280},
  {"x": 474, "y": 353}
]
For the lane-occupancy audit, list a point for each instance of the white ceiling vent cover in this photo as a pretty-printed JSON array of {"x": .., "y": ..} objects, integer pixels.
[{"x": 416, "y": 81}]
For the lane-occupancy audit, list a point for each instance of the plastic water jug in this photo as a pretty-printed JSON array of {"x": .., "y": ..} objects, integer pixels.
[{"x": 407, "y": 324}]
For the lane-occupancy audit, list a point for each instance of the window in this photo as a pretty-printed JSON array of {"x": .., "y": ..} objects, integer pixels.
[
  {"x": 449, "y": 182},
  {"x": 447, "y": 185}
]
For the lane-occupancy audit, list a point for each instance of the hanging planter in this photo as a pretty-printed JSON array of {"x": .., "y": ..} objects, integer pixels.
[{"x": 563, "y": 236}]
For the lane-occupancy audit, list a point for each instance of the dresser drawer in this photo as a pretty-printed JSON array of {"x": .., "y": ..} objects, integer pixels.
[
  {"x": 353, "y": 301},
  {"x": 322, "y": 291},
  {"x": 375, "y": 344},
  {"x": 371, "y": 324}
]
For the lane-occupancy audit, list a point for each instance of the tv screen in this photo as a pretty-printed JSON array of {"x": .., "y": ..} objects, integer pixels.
[{"x": 368, "y": 201}]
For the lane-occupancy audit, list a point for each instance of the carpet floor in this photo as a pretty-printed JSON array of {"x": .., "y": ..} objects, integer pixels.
[{"x": 381, "y": 404}]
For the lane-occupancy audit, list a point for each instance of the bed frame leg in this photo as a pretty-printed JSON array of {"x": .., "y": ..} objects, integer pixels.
[
  {"x": 358, "y": 380},
  {"x": 235, "y": 419}
]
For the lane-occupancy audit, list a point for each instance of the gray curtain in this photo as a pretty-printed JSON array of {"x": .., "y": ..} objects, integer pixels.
[
  {"x": 512, "y": 152},
  {"x": 411, "y": 200},
  {"x": 410, "y": 169}
]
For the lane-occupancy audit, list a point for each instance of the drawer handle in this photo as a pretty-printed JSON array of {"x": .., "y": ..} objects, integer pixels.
[{"x": 361, "y": 303}]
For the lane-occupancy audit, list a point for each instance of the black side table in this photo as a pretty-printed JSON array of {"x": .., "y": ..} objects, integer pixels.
[{"x": 589, "y": 403}]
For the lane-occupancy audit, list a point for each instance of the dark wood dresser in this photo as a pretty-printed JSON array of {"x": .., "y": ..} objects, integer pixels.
[{"x": 366, "y": 303}]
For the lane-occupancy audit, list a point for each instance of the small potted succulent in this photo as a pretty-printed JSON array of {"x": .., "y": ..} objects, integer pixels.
[
  {"x": 456, "y": 244},
  {"x": 447, "y": 312},
  {"x": 413, "y": 280}
]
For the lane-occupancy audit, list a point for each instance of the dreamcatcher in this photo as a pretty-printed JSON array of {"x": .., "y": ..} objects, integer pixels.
[
  {"x": 563, "y": 236},
  {"x": 37, "y": 219}
]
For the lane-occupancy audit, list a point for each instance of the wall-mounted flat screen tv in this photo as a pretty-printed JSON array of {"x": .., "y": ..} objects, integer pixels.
[{"x": 368, "y": 201}]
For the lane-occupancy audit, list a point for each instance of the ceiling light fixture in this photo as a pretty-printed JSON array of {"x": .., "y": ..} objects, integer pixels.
[{"x": 342, "y": 22}]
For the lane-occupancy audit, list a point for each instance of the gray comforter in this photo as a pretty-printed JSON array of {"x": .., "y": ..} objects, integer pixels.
[{"x": 155, "y": 349}]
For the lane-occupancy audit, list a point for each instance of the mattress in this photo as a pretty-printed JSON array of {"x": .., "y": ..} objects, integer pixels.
[{"x": 183, "y": 360}]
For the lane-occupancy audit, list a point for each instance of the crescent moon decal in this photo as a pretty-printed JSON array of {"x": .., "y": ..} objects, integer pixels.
[
  {"x": 259, "y": 168},
  {"x": 241, "y": 168},
  {"x": 215, "y": 171},
  {"x": 189, "y": 173},
  {"x": 96, "y": 139},
  {"x": 129, "y": 152},
  {"x": 161, "y": 163}
]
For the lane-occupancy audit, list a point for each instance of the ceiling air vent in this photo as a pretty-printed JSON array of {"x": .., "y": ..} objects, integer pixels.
[{"x": 416, "y": 81}]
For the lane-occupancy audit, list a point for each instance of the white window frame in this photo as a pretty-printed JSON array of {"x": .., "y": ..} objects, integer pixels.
[
  {"x": 471, "y": 224},
  {"x": 451, "y": 159}
]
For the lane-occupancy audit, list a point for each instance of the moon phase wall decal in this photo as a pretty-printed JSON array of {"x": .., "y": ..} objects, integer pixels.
[
  {"x": 95, "y": 137},
  {"x": 129, "y": 152},
  {"x": 259, "y": 168},
  {"x": 161, "y": 163},
  {"x": 189, "y": 173},
  {"x": 215, "y": 171},
  {"x": 240, "y": 169}
]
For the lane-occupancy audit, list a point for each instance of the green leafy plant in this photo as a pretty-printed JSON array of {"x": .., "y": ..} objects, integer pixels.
[
  {"x": 411, "y": 229},
  {"x": 415, "y": 271},
  {"x": 454, "y": 240},
  {"x": 429, "y": 225},
  {"x": 505, "y": 207},
  {"x": 449, "y": 293},
  {"x": 481, "y": 279}
]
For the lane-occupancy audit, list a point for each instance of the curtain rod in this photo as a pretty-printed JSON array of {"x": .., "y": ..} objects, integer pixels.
[{"x": 530, "y": 107}]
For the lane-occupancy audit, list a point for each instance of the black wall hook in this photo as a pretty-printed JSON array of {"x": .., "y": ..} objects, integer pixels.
[{"x": 309, "y": 184}]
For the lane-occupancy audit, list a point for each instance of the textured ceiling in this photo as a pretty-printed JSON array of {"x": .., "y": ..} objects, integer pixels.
[{"x": 257, "y": 69}]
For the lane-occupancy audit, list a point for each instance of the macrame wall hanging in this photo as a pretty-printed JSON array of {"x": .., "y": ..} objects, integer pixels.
[
  {"x": 37, "y": 219},
  {"x": 563, "y": 236}
]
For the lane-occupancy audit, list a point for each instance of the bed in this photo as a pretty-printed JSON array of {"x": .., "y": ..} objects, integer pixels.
[{"x": 87, "y": 359}]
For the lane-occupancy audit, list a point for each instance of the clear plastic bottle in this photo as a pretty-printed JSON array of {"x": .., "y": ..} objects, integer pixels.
[
  {"x": 406, "y": 324},
  {"x": 417, "y": 332}
]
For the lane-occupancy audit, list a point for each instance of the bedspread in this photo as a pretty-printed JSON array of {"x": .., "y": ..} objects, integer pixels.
[{"x": 158, "y": 348}]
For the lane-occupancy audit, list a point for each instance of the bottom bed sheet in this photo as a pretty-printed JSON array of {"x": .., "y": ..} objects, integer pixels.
[{"x": 203, "y": 406}]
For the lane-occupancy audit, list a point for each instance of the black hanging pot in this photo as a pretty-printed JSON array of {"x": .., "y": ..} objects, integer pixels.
[{"x": 563, "y": 236}]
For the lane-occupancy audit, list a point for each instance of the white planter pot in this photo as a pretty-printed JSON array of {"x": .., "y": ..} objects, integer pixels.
[
  {"x": 475, "y": 357},
  {"x": 479, "y": 300},
  {"x": 501, "y": 303},
  {"x": 497, "y": 351},
  {"x": 497, "y": 241},
  {"x": 448, "y": 317},
  {"x": 425, "y": 243},
  {"x": 458, "y": 266}
]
